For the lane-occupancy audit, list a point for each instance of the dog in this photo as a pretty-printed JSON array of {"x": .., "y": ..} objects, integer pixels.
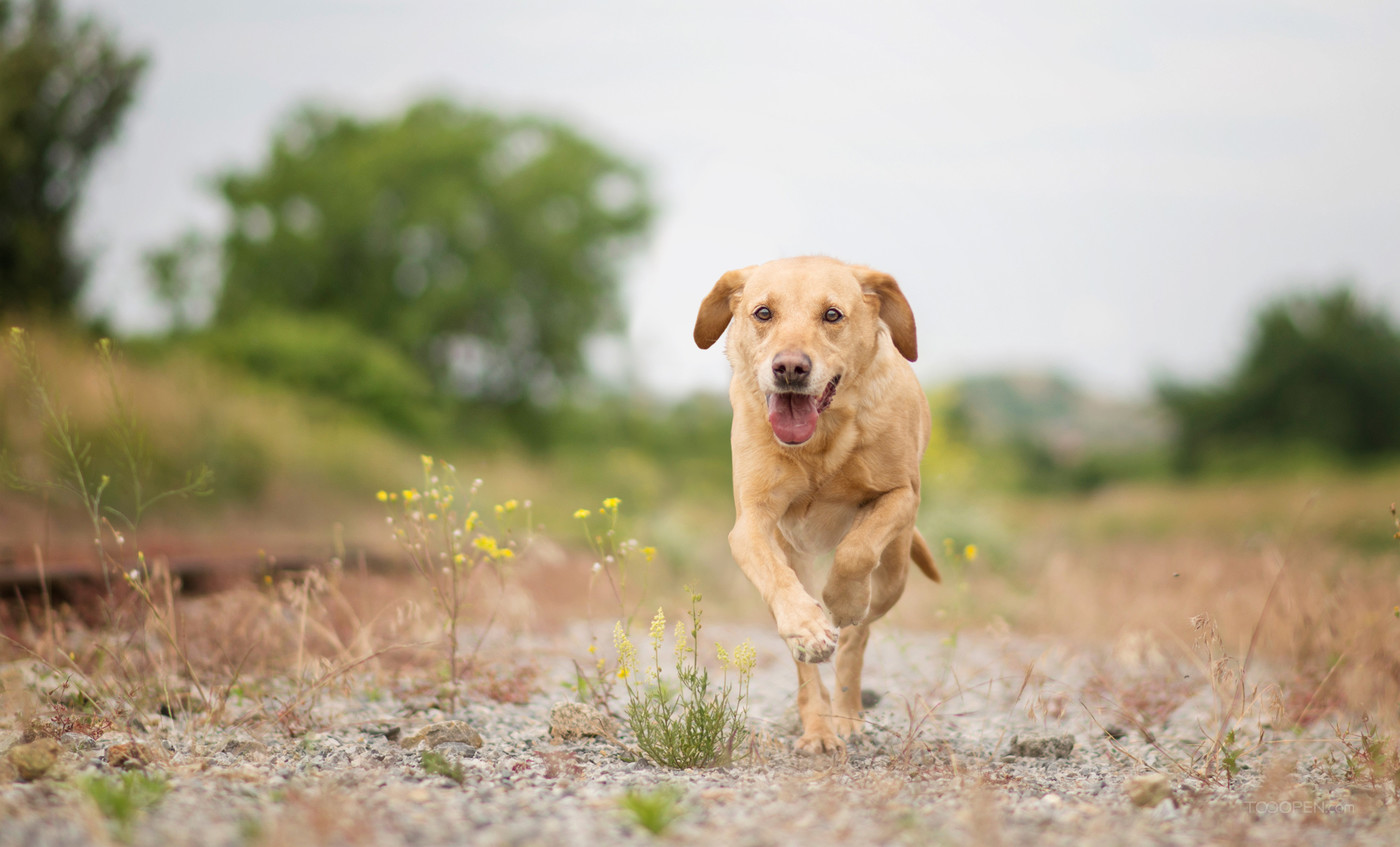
[{"x": 830, "y": 424}]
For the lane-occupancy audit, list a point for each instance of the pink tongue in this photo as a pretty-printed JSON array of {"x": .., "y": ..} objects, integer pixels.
[{"x": 793, "y": 416}]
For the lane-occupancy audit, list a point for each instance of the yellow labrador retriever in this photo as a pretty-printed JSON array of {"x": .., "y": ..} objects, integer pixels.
[{"x": 829, "y": 426}]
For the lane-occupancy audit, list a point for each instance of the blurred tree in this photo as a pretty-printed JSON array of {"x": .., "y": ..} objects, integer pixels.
[
  {"x": 64, "y": 86},
  {"x": 485, "y": 248},
  {"x": 1321, "y": 370}
]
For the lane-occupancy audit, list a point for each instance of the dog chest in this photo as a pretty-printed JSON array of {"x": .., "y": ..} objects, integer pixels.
[{"x": 816, "y": 526}]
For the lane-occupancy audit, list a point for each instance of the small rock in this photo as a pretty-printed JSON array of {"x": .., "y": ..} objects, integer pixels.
[
  {"x": 244, "y": 747},
  {"x": 1042, "y": 747},
  {"x": 434, "y": 735},
  {"x": 457, "y": 748},
  {"x": 1148, "y": 790},
  {"x": 869, "y": 699},
  {"x": 31, "y": 761},
  {"x": 570, "y": 721},
  {"x": 129, "y": 756},
  {"x": 1114, "y": 731},
  {"x": 76, "y": 741}
]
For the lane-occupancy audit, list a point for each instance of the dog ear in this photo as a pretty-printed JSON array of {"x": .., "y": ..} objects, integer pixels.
[
  {"x": 717, "y": 308},
  {"x": 894, "y": 310}
]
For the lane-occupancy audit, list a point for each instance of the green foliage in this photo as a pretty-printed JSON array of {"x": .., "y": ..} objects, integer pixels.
[
  {"x": 437, "y": 764},
  {"x": 485, "y": 248},
  {"x": 1320, "y": 373},
  {"x": 689, "y": 726},
  {"x": 64, "y": 86},
  {"x": 653, "y": 810},
  {"x": 1230, "y": 752},
  {"x": 122, "y": 798},
  {"x": 446, "y": 541},
  {"x": 1370, "y": 755},
  {"x": 332, "y": 358}
]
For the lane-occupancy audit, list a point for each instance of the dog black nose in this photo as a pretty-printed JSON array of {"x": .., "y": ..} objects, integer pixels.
[{"x": 791, "y": 367}]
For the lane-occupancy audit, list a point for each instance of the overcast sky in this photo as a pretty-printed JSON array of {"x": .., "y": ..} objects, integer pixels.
[{"x": 1105, "y": 188}]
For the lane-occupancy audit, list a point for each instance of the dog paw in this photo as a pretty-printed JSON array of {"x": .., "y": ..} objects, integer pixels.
[
  {"x": 808, "y": 633},
  {"x": 847, "y": 726},
  {"x": 848, "y": 600},
  {"x": 820, "y": 742}
]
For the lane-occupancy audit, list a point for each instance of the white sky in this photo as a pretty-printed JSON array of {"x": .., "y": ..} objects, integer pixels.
[{"x": 1108, "y": 188}]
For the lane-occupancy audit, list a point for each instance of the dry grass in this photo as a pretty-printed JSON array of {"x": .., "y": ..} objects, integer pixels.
[{"x": 1282, "y": 596}]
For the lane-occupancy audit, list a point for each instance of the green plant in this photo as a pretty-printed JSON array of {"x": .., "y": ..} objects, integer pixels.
[
  {"x": 72, "y": 459},
  {"x": 1230, "y": 752},
  {"x": 653, "y": 810},
  {"x": 122, "y": 798},
  {"x": 1370, "y": 754},
  {"x": 444, "y": 539},
  {"x": 437, "y": 764},
  {"x": 596, "y": 683},
  {"x": 688, "y": 726}
]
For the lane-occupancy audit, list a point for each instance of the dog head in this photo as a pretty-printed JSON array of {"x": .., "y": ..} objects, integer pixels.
[{"x": 800, "y": 327}]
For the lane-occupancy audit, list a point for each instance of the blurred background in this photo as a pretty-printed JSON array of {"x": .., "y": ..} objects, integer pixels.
[{"x": 1151, "y": 248}]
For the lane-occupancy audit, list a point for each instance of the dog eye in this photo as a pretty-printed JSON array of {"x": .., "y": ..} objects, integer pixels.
[
  {"x": 763, "y": 313},
  {"x": 832, "y": 316}
]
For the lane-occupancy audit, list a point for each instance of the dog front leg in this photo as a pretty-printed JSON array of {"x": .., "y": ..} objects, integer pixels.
[
  {"x": 801, "y": 621},
  {"x": 847, "y": 591}
]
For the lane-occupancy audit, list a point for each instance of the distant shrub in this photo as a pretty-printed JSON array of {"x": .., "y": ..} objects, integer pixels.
[
  {"x": 329, "y": 357},
  {"x": 1320, "y": 373}
]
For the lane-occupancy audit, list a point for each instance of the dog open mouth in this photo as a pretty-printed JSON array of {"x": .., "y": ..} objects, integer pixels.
[{"x": 794, "y": 416}]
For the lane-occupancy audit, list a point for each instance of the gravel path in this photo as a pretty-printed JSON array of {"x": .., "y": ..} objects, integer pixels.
[{"x": 937, "y": 765}]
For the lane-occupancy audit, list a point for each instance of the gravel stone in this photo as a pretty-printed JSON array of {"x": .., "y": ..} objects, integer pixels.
[
  {"x": 571, "y": 721},
  {"x": 1038, "y": 747},
  {"x": 926, "y": 768},
  {"x": 437, "y": 734},
  {"x": 35, "y": 759},
  {"x": 129, "y": 755},
  {"x": 1148, "y": 790}
]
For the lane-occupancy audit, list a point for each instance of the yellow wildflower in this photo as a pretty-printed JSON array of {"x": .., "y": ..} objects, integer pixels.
[
  {"x": 723, "y": 656},
  {"x": 427, "y": 462},
  {"x": 658, "y": 629},
  {"x": 432, "y": 516},
  {"x": 506, "y": 553},
  {"x": 500, "y": 510},
  {"x": 745, "y": 657},
  {"x": 970, "y": 552},
  {"x": 612, "y": 503},
  {"x": 409, "y": 495},
  {"x": 511, "y": 505},
  {"x": 485, "y": 544},
  {"x": 582, "y": 513},
  {"x": 626, "y": 653},
  {"x": 472, "y": 519},
  {"x": 681, "y": 648},
  {"x": 383, "y": 496},
  {"x": 649, "y": 552}
]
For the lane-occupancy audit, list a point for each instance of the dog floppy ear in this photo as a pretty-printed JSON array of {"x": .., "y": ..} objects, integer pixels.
[
  {"x": 894, "y": 310},
  {"x": 717, "y": 308}
]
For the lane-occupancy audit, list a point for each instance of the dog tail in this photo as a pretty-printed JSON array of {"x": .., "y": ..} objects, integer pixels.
[{"x": 923, "y": 557}]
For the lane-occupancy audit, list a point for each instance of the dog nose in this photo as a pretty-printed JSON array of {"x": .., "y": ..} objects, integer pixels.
[{"x": 791, "y": 366}]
